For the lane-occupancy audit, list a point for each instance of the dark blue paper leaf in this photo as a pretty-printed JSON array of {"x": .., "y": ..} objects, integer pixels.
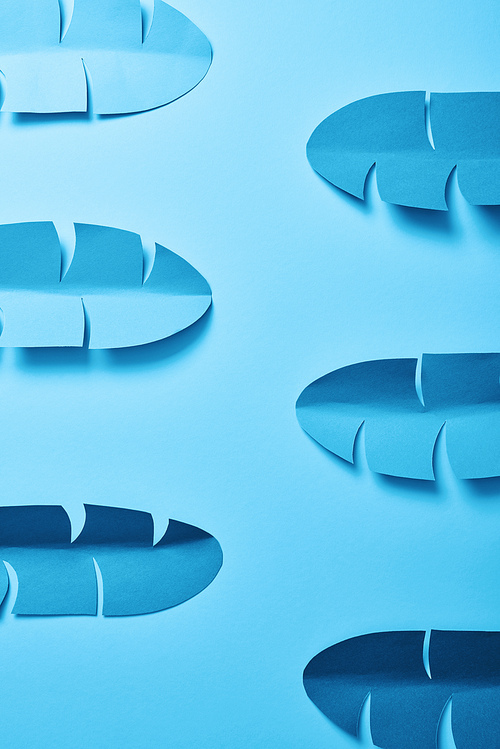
[
  {"x": 407, "y": 705},
  {"x": 57, "y": 577}
]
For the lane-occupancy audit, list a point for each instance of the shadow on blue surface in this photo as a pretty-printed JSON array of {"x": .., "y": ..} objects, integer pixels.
[
  {"x": 49, "y": 118},
  {"x": 420, "y": 487},
  {"x": 134, "y": 356},
  {"x": 484, "y": 488},
  {"x": 490, "y": 215}
]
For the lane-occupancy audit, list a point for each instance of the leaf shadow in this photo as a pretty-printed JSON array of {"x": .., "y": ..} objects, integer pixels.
[{"x": 147, "y": 355}]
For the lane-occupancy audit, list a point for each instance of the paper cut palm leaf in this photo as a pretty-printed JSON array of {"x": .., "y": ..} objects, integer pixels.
[
  {"x": 102, "y": 296},
  {"x": 406, "y": 705},
  {"x": 57, "y": 577},
  {"x": 389, "y": 130},
  {"x": 401, "y": 427},
  {"x": 101, "y": 58}
]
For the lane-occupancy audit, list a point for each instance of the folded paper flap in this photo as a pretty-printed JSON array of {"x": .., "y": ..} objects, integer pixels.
[
  {"x": 30, "y": 255},
  {"x": 53, "y": 582},
  {"x": 378, "y": 124},
  {"x": 104, "y": 24},
  {"x": 173, "y": 33},
  {"x": 172, "y": 273},
  {"x": 384, "y": 382},
  {"x": 29, "y": 25},
  {"x": 178, "y": 533},
  {"x": 374, "y": 656},
  {"x": 115, "y": 525},
  {"x": 105, "y": 257},
  {"x": 460, "y": 379},
  {"x": 34, "y": 525},
  {"x": 466, "y": 124},
  {"x": 467, "y": 657}
]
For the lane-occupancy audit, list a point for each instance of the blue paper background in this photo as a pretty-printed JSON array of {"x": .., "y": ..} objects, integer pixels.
[{"x": 202, "y": 427}]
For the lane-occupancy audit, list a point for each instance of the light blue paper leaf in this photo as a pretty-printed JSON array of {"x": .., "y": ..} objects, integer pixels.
[
  {"x": 406, "y": 705},
  {"x": 103, "y": 47},
  {"x": 459, "y": 390},
  {"x": 57, "y": 577},
  {"x": 102, "y": 290},
  {"x": 389, "y": 130}
]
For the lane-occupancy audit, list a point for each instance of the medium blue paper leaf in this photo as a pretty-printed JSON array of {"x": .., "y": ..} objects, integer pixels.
[
  {"x": 57, "y": 577},
  {"x": 103, "y": 48},
  {"x": 406, "y": 704},
  {"x": 459, "y": 390},
  {"x": 102, "y": 291},
  {"x": 389, "y": 130}
]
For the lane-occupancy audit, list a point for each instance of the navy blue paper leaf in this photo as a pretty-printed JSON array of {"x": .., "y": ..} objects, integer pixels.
[
  {"x": 390, "y": 130},
  {"x": 58, "y": 577},
  {"x": 403, "y": 414},
  {"x": 406, "y": 704}
]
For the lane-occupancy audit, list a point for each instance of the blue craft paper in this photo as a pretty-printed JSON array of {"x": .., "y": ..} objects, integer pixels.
[
  {"x": 459, "y": 390},
  {"x": 174, "y": 58},
  {"x": 389, "y": 130},
  {"x": 201, "y": 426},
  {"x": 29, "y": 25},
  {"x": 104, "y": 284},
  {"x": 111, "y": 24},
  {"x": 44, "y": 74},
  {"x": 407, "y": 705},
  {"x": 181, "y": 564},
  {"x": 470, "y": 660},
  {"x": 466, "y": 126},
  {"x": 105, "y": 257},
  {"x": 34, "y": 540},
  {"x": 57, "y": 577}
]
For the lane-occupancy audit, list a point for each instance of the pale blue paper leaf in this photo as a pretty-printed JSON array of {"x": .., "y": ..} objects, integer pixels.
[
  {"x": 103, "y": 288},
  {"x": 104, "y": 38}
]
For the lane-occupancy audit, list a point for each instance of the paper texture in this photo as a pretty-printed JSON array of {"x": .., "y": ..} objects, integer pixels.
[
  {"x": 102, "y": 294},
  {"x": 57, "y": 577},
  {"x": 406, "y": 704},
  {"x": 389, "y": 130},
  {"x": 461, "y": 391},
  {"x": 102, "y": 48}
]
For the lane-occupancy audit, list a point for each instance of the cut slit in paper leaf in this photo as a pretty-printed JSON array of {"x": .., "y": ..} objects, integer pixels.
[
  {"x": 406, "y": 705},
  {"x": 459, "y": 390},
  {"x": 389, "y": 130},
  {"x": 104, "y": 37},
  {"x": 57, "y": 577},
  {"x": 102, "y": 286}
]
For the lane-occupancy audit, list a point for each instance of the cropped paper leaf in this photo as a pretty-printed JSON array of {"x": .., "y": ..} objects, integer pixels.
[
  {"x": 459, "y": 390},
  {"x": 102, "y": 292},
  {"x": 103, "y": 45},
  {"x": 407, "y": 705},
  {"x": 57, "y": 577},
  {"x": 389, "y": 130}
]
